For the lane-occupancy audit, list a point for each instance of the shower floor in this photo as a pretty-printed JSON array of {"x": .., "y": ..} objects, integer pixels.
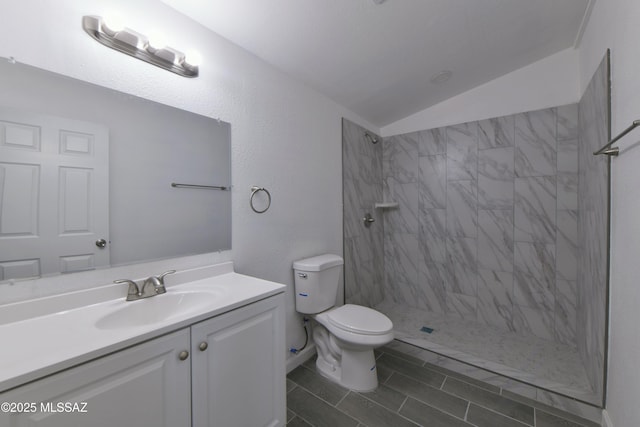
[{"x": 527, "y": 358}]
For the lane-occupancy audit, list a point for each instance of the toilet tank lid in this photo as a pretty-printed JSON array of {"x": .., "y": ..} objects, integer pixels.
[{"x": 318, "y": 263}]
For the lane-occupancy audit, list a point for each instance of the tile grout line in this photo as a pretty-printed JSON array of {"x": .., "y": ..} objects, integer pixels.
[
  {"x": 470, "y": 401},
  {"x": 339, "y": 401},
  {"x": 429, "y": 404},
  {"x": 424, "y": 363},
  {"x": 444, "y": 380},
  {"x": 390, "y": 410},
  {"x": 321, "y": 398},
  {"x": 551, "y": 410},
  {"x": 466, "y": 412},
  {"x": 499, "y": 392},
  {"x": 505, "y": 415},
  {"x": 393, "y": 372},
  {"x": 295, "y": 415},
  {"x": 406, "y": 397},
  {"x": 327, "y": 402}
]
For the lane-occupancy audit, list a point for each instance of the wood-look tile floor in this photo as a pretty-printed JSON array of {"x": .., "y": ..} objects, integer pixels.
[{"x": 414, "y": 393}]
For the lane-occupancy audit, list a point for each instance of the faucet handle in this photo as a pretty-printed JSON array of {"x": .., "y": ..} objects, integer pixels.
[
  {"x": 133, "y": 292},
  {"x": 161, "y": 277}
]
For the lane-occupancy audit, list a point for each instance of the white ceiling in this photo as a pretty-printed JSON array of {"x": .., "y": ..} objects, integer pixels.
[{"x": 377, "y": 60}]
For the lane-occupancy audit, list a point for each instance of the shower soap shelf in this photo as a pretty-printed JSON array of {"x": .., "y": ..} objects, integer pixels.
[{"x": 386, "y": 205}]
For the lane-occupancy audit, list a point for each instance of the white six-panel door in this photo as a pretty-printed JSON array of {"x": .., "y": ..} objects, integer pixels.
[{"x": 54, "y": 195}]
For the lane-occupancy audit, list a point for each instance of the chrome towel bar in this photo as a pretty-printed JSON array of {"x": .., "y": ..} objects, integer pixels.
[
  {"x": 614, "y": 151},
  {"x": 206, "y": 187}
]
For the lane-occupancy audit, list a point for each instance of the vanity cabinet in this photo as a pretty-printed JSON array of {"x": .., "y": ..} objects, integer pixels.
[
  {"x": 238, "y": 368},
  {"x": 226, "y": 371},
  {"x": 145, "y": 385}
]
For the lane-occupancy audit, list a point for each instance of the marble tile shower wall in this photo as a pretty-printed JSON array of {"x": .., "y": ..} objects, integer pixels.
[
  {"x": 486, "y": 227},
  {"x": 593, "y": 225},
  {"x": 362, "y": 187}
]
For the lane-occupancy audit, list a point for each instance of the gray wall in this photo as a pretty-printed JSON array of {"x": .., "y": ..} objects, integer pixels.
[{"x": 593, "y": 196}]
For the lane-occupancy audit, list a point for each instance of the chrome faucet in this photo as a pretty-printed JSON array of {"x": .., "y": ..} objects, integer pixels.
[{"x": 153, "y": 285}]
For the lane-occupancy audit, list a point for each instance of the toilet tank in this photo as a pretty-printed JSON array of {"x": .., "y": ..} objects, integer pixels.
[{"x": 316, "y": 282}]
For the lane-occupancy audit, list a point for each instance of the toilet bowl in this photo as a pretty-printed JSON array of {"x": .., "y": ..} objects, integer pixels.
[{"x": 345, "y": 336}]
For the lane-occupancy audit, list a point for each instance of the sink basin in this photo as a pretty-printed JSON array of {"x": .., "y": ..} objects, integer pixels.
[{"x": 157, "y": 309}]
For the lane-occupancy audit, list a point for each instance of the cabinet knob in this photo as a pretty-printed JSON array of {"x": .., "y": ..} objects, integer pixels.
[
  {"x": 184, "y": 355},
  {"x": 203, "y": 346}
]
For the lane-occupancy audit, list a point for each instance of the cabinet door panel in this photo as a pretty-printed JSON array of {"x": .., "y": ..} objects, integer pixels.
[
  {"x": 239, "y": 380},
  {"x": 145, "y": 385}
]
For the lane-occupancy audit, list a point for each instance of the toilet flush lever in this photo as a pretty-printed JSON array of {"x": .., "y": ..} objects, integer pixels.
[{"x": 302, "y": 275}]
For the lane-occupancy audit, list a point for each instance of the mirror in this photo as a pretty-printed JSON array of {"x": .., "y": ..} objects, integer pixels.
[{"x": 86, "y": 174}]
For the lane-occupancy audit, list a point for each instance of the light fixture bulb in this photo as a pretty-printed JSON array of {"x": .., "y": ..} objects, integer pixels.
[
  {"x": 156, "y": 41},
  {"x": 192, "y": 58},
  {"x": 112, "y": 24},
  {"x": 168, "y": 54}
]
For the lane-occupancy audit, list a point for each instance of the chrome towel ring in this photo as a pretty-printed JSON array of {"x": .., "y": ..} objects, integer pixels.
[{"x": 256, "y": 190}]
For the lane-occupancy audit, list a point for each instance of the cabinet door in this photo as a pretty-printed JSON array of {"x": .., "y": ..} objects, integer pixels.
[
  {"x": 239, "y": 379},
  {"x": 145, "y": 385}
]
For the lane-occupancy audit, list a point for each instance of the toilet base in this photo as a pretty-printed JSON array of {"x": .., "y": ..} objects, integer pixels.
[{"x": 356, "y": 370}]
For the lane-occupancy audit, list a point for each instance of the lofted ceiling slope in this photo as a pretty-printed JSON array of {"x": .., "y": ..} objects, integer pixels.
[{"x": 378, "y": 60}]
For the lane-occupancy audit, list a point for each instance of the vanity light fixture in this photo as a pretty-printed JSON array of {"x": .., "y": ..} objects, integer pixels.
[{"x": 151, "y": 50}]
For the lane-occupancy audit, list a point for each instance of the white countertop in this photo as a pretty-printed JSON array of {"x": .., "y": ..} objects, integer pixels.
[{"x": 43, "y": 336}]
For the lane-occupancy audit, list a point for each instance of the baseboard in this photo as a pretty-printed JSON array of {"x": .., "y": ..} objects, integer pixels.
[
  {"x": 606, "y": 421},
  {"x": 298, "y": 359}
]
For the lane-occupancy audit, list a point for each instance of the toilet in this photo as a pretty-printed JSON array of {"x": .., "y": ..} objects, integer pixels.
[{"x": 344, "y": 336}]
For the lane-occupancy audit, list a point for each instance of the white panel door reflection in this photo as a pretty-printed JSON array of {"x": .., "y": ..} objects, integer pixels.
[{"x": 54, "y": 195}]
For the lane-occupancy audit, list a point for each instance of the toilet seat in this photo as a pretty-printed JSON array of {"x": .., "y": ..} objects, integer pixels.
[
  {"x": 351, "y": 325},
  {"x": 360, "y": 320}
]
